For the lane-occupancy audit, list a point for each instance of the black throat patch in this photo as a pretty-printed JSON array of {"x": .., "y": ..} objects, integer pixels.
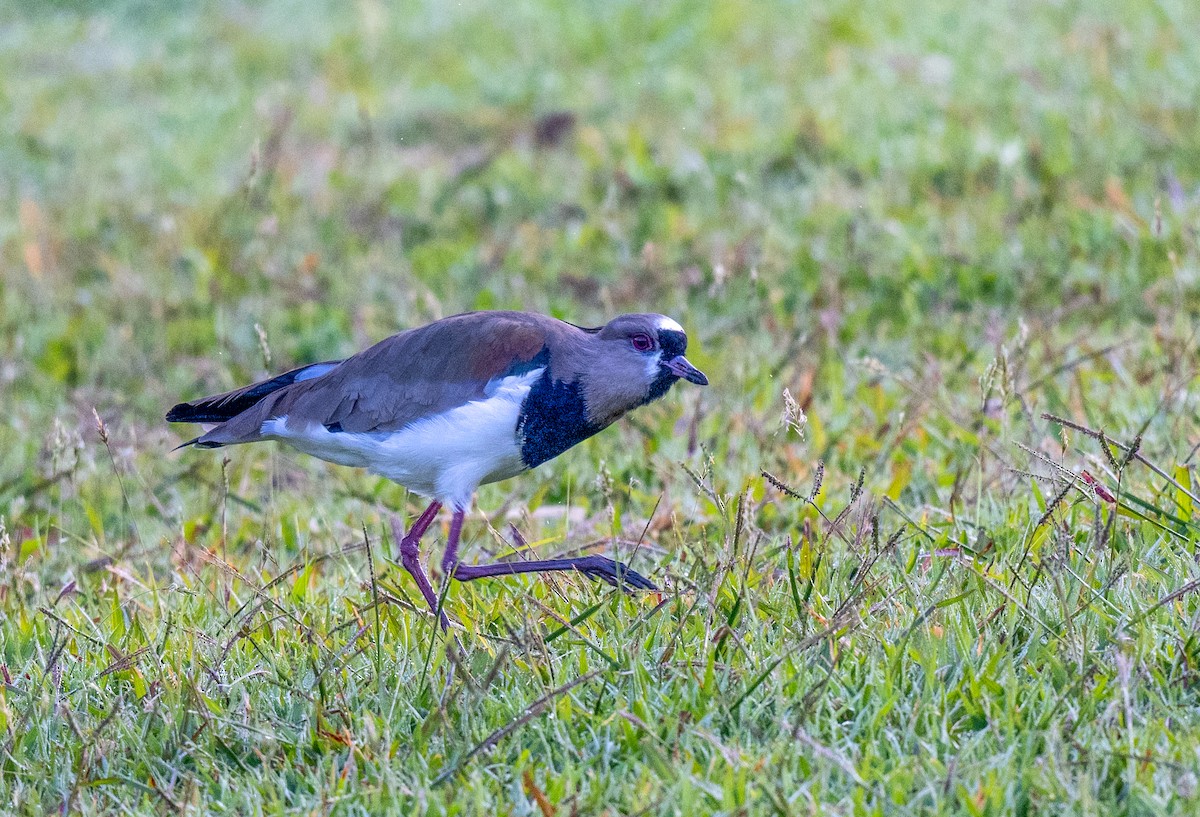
[
  {"x": 553, "y": 418},
  {"x": 672, "y": 344},
  {"x": 660, "y": 385}
]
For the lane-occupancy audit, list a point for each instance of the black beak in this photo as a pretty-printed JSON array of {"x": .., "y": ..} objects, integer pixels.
[{"x": 680, "y": 367}]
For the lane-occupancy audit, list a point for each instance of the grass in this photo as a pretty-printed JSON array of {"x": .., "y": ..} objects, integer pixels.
[{"x": 926, "y": 254}]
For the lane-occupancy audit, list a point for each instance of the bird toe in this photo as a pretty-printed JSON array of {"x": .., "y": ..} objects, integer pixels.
[{"x": 615, "y": 574}]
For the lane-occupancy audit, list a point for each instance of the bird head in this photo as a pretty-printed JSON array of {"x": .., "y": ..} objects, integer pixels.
[{"x": 636, "y": 358}]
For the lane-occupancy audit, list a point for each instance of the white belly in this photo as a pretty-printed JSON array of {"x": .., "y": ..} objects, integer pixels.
[{"x": 445, "y": 456}]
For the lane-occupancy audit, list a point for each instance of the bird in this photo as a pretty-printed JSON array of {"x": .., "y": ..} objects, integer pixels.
[{"x": 463, "y": 401}]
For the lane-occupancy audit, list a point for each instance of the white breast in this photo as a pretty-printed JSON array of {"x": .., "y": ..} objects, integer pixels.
[{"x": 445, "y": 456}]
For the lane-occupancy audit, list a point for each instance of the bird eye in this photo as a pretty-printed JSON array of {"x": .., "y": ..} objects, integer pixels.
[{"x": 642, "y": 343}]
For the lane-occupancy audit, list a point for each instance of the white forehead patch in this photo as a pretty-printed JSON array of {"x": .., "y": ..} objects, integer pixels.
[{"x": 668, "y": 325}]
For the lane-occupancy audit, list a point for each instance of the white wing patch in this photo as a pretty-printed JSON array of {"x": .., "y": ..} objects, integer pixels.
[{"x": 445, "y": 456}]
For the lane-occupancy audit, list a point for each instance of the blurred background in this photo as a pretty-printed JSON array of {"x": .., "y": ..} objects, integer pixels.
[
  {"x": 926, "y": 222},
  {"x": 194, "y": 194},
  {"x": 866, "y": 173}
]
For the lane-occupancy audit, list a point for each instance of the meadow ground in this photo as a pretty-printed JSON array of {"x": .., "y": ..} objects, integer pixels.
[{"x": 900, "y": 235}]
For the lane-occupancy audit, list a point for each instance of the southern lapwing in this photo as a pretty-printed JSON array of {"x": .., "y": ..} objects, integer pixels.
[{"x": 455, "y": 404}]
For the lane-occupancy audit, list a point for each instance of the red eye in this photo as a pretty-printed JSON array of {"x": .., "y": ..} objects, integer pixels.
[{"x": 642, "y": 343}]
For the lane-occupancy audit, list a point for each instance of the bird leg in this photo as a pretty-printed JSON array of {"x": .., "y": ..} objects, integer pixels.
[
  {"x": 450, "y": 557},
  {"x": 594, "y": 567},
  {"x": 410, "y": 556}
]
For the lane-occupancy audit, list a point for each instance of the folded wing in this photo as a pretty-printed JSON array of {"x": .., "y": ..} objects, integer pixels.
[{"x": 411, "y": 375}]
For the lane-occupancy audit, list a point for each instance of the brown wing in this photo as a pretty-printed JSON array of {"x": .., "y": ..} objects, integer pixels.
[{"x": 414, "y": 374}]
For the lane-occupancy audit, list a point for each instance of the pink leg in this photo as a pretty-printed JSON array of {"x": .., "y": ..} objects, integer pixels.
[
  {"x": 594, "y": 567},
  {"x": 410, "y": 556},
  {"x": 450, "y": 557}
]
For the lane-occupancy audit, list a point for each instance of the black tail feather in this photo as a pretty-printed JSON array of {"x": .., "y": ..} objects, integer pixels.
[
  {"x": 222, "y": 407},
  {"x": 195, "y": 441}
]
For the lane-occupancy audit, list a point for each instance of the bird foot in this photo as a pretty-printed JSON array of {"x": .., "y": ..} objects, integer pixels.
[{"x": 614, "y": 573}]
